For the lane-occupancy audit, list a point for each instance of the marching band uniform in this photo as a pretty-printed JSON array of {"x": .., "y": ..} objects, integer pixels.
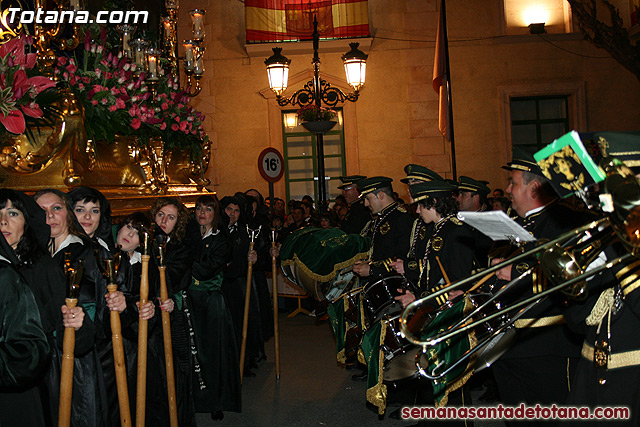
[
  {"x": 389, "y": 233},
  {"x": 358, "y": 215},
  {"x": 538, "y": 367},
  {"x": 421, "y": 232},
  {"x": 609, "y": 370},
  {"x": 449, "y": 256}
]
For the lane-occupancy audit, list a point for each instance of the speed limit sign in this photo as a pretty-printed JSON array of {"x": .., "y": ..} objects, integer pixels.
[{"x": 271, "y": 164}]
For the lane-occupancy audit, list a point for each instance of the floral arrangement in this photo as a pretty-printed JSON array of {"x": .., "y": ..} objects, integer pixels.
[
  {"x": 313, "y": 113},
  {"x": 26, "y": 97},
  {"x": 118, "y": 100}
]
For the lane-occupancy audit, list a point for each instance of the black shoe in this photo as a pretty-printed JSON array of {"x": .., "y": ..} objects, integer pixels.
[
  {"x": 396, "y": 415},
  {"x": 489, "y": 396},
  {"x": 217, "y": 416},
  {"x": 359, "y": 377},
  {"x": 355, "y": 366}
]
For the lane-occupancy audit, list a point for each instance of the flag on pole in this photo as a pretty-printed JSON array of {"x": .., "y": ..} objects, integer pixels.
[
  {"x": 289, "y": 20},
  {"x": 441, "y": 77}
]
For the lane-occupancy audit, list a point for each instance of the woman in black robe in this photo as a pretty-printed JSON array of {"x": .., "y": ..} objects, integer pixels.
[
  {"x": 69, "y": 244},
  {"x": 172, "y": 219},
  {"x": 212, "y": 324},
  {"x": 24, "y": 347},
  {"x": 234, "y": 217},
  {"x": 92, "y": 212},
  {"x": 129, "y": 275}
]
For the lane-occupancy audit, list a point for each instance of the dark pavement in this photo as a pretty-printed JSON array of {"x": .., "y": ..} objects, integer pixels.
[{"x": 313, "y": 389}]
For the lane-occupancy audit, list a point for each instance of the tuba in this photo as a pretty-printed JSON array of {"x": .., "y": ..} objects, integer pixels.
[{"x": 567, "y": 262}]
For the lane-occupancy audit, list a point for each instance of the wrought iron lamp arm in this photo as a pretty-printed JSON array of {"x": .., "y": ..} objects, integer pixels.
[{"x": 328, "y": 94}]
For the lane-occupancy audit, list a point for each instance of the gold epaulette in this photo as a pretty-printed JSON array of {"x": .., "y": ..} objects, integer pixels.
[
  {"x": 629, "y": 277},
  {"x": 401, "y": 209},
  {"x": 455, "y": 220}
]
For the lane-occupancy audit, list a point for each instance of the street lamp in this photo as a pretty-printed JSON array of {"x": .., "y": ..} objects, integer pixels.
[{"x": 317, "y": 91}]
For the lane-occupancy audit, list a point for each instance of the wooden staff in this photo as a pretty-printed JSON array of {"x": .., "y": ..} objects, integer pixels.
[
  {"x": 111, "y": 270},
  {"x": 444, "y": 273},
  {"x": 247, "y": 300},
  {"x": 274, "y": 275},
  {"x": 143, "y": 331},
  {"x": 473, "y": 288},
  {"x": 166, "y": 334},
  {"x": 72, "y": 276}
]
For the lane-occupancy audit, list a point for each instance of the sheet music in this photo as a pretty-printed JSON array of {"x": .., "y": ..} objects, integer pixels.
[{"x": 497, "y": 225}]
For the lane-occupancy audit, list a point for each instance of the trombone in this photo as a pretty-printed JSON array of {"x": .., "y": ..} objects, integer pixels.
[{"x": 564, "y": 262}]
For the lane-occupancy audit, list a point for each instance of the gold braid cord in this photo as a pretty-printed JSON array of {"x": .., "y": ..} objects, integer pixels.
[
  {"x": 462, "y": 380},
  {"x": 326, "y": 277}
]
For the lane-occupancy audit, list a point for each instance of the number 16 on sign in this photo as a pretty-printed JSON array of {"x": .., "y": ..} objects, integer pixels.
[{"x": 271, "y": 167}]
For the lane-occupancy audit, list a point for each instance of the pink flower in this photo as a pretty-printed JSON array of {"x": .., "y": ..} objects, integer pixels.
[
  {"x": 135, "y": 123},
  {"x": 120, "y": 103},
  {"x": 94, "y": 102},
  {"x": 112, "y": 108},
  {"x": 13, "y": 122},
  {"x": 163, "y": 126},
  {"x": 175, "y": 127}
]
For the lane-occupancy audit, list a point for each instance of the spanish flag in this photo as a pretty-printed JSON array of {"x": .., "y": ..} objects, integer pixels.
[
  {"x": 441, "y": 76},
  {"x": 292, "y": 20}
]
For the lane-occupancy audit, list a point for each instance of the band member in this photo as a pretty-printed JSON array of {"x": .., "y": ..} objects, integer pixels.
[
  {"x": 472, "y": 195},
  {"x": 389, "y": 233},
  {"x": 449, "y": 252},
  {"x": 609, "y": 368},
  {"x": 539, "y": 366},
  {"x": 447, "y": 257},
  {"x": 389, "y": 230},
  {"x": 358, "y": 215},
  {"x": 419, "y": 173}
]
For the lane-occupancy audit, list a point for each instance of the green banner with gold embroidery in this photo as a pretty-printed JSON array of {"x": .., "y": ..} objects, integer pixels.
[
  {"x": 321, "y": 253},
  {"x": 448, "y": 351},
  {"x": 567, "y": 164}
]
